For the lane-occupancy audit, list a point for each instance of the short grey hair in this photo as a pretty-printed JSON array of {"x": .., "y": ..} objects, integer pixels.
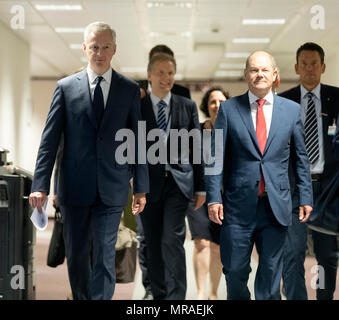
[
  {"x": 274, "y": 65},
  {"x": 98, "y": 27}
]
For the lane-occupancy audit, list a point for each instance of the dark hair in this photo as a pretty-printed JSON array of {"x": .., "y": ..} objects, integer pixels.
[
  {"x": 160, "y": 57},
  {"x": 160, "y": 48},
  {"x": 311, "y": 46},
  {"x": 204, "y": 101}
]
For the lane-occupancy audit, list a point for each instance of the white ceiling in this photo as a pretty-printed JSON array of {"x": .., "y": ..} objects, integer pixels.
[{"x": 200, "y": 32}]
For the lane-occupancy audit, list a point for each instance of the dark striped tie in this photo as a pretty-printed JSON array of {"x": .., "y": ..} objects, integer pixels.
[
  {"x": 162, "y": 124},
  {"x": 311, "y": 130}
]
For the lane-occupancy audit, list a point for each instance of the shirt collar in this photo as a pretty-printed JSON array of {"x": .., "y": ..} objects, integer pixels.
[
  {"x": 315, "y": 91},
  {"x": 253, "y": 98},
  {"x": 155, "y": 100},
  {"x": 92, "y": 75}
]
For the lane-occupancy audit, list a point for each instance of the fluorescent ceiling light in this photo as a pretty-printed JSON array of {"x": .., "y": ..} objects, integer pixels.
[
  {"x": 232, "y": 74},
  {"x": 263, "y": 21},
  {"x": 154, "y": 34},
  {"x": 251, "y": 40},
  {"x": 178, "y": 76},
  {"x": 69, "y": 30},
  {"x": 237, "y": 54},
  {"x": 57, "y": 7},
  {"x": 232, "y": 66},
  {"x": 133, "y": 69},
  {"x": 185, "y": 34},
  {"x": 76, "y": 46},
  {"x": 177, "y": 4}
]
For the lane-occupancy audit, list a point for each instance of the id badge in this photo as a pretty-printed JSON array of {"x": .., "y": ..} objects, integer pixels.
[{"x": 332, "y": 129}]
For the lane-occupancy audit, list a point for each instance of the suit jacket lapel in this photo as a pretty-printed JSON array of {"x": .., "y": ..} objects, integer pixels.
[
  {"x": 148, "y": 113},
  {"x": 245, "y": 113},
  {"x": 84, "y": 93},
  {"x": 112, "y": 99},
  {"x": 277, "y": 114},
  {"x": 174, "y": 105},
  {"x": 326, "y": 100}
]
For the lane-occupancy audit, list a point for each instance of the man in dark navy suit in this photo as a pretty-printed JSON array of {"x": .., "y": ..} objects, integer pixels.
[
  {"x": 177, "y": 88},
  {"x": 88, "y": 109},
  {"x": 173, "y": 181},
  {"x": 145, "y": 88},
  {"x": 260, "y": 131},
  {"x": 324, "y": 224}
]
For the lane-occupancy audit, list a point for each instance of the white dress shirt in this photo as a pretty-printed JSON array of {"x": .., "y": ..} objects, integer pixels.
[
  {"x": 267, "y": 108},
  {"x": 105, "y": 83}
]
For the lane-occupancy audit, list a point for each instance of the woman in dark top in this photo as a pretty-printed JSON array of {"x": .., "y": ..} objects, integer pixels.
[{"x": 205, "y": 233}]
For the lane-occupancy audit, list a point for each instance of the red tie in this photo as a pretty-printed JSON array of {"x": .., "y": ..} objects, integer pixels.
[{"x": 261, "y": 133}]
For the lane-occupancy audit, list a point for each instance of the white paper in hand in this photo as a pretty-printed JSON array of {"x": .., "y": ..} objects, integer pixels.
[{"x": 40, "y": 220}]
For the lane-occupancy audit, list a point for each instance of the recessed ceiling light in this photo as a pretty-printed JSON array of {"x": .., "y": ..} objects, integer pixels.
[
  {"x": 251, "y": 40},
  {"x": 69, "y": 30},
  {"x": 58, "y": 7},
  {"x": 232, "y": 66},
  {"x": 237, "y": 54},
  {"x": 133, "y": 69},
  {"x": 76, "y": 46},
  {"x": 154, "y": 34},
  {"x": 177, "y": 4},
  {"x": 179, "y": 76},
  {"x": 185, "y": 34},
  {"x": 263, "y": 21},
  {"x": 227, "y": 73}
]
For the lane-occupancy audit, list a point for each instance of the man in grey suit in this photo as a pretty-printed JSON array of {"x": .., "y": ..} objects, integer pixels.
[
  {"x": 88, "y": 109},
  {"x": 260, "y": 131}
]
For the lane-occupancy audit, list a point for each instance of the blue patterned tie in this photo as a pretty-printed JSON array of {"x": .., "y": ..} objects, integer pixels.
[
  {"x": 98, "y": 101},
  {"x": 162, "y": 123}
]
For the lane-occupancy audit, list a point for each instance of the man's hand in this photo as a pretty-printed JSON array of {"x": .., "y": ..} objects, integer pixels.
[
  {"x": 139, "y": 202},
  {"x": 304, "y": 213},
  {"x": 142, "y": 93},
  {"x": 216, "y": 212},
  {"x": 37, "y": 200},
  {"x": 54, "y": 201},
  {"x": 199, "y": 201}
]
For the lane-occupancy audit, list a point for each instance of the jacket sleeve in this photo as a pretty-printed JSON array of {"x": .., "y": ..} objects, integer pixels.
[{"x": 49, "y": 143}]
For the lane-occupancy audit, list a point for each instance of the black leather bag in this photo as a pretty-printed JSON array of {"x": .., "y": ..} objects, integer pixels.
[{"x": 56, "y": 250}]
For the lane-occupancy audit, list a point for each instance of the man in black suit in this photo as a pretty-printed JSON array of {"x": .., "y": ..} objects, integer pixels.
[
  {"x": 177, "y": 88},
  {"x": 319, "y": 107},
  {"x": 173, "y": 181}
]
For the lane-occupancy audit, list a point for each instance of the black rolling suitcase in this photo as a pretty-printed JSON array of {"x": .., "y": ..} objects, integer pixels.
[{"x": 17, "y": 237}]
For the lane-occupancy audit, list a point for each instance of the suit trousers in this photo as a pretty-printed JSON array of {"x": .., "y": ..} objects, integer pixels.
[
  {"x": 326, "y": 251},
  {"x": 90, "y": 235},
  {"x": 142, "y": 254},
  {"x": 236, "y": 245},
  {"x": 294, "y": 258},
  {"x": 164, "y": 227}
]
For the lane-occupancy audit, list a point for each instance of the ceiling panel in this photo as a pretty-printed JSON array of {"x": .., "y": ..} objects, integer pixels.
[{"x": 195, "y": 32}]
